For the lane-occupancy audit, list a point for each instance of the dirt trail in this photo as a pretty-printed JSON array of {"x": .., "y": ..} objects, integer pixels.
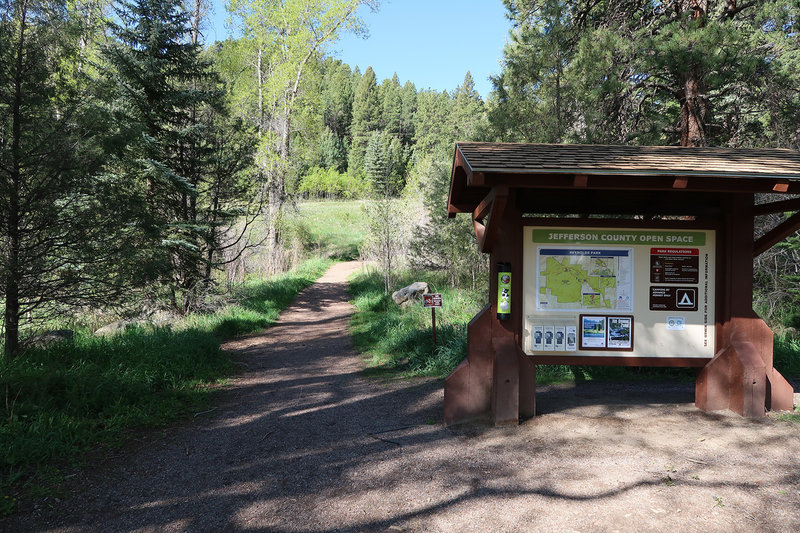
[{"x": 301, "y": 442}]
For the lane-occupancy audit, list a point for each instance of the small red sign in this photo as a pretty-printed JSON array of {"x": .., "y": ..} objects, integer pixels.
[{"x": 431, "y": 300}]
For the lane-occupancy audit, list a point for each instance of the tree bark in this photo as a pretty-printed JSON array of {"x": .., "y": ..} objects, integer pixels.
[
  {"x": 693, "y": 110},
  {"x": 260, "y": 80},
  {"x": 277, "y": 182},
  {"x": 693, "y": 103},
  {"x": 196, "y": 22}
]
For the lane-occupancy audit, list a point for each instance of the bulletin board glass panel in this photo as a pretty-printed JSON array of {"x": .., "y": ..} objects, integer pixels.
[{"x": 618, "y": 292}]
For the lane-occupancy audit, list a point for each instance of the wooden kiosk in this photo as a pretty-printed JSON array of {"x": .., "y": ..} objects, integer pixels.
[{"x": 619, "y": 255}]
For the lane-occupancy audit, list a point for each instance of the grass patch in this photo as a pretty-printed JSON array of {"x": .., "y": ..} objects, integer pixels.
[
  {"x": 786, "y": 355},
  {"x": 74, "y": 396},
  {"x": 399, "y": 341},
  {"x": 331, "y": 228},
  {"x": 790, "y": 417},
  {"x": 259, "y": 301}
]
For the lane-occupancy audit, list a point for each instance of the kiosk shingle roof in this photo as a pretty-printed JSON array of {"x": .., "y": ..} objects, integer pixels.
[{"x": 633, "y": 160}]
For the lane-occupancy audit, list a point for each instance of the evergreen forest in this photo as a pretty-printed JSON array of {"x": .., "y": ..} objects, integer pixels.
[{"x": 148, "y": 173}]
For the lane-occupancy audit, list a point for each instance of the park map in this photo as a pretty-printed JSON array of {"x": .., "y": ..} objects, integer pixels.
[{"x": 585, "y": 279}]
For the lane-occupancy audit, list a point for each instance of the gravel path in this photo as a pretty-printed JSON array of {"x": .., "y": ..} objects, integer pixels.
[{"x": 301, "y": 442}]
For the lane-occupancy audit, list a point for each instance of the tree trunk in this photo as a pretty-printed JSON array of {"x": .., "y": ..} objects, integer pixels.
[
  {"x": 196, "y": 22},
  {"x": 12, "y": 311},
  {"x": 693, "y": 111},
  {"x": 260, "y": 80},
  {"x": 277, "y": 181},
  {"x": 14, "y": 274},
  {"x": 693, "y": 104}
]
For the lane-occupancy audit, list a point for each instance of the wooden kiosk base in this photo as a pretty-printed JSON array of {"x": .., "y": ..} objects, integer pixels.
[{"x": 508, "y": 186}]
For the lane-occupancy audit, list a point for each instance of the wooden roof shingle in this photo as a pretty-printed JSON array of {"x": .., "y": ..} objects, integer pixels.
[
  {"x": 479, "y": 167},
  {"x": 637, "y": 160}
]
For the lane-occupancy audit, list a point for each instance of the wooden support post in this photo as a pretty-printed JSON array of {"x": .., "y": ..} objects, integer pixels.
[
  {"x": 468, "y": 389},
  {"x": 740, "y": 377},
  {"x": 497, "y": 380},
  {"x": 505, "y": 245}
]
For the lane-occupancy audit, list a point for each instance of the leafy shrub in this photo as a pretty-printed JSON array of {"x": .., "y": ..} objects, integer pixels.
[{"x": 329, "y": 183}]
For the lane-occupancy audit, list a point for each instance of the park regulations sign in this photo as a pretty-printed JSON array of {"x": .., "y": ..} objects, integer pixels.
[{"x": 600, "y": 285}]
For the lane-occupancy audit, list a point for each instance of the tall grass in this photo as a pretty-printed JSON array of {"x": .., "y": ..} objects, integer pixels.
[
  {"x": 400, "y": 341},
  {"x": 330, "y": 228},
  {"x": 786, "y": 355},
  {"x": 75, "y": 395}
]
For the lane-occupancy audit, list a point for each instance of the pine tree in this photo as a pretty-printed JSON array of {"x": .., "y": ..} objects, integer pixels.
[
  {"x": 59, "y": 219},
  {"x": 432, "y": 129},
  {"x": 678, "y": 72},
  {"x": 381, "y": 164},
  {"x": 439, "y": 242},
  {"x": 366, "y": 119},
  {"x": 391, "y": 106},
  {"x": 337, "y": 98},
  {"x": 164, "y": 88},
  {"x": 468, "y": 114},
  {"x": 408, "y": 108}
]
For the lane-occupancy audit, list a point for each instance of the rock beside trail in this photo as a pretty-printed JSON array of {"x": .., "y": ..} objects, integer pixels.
[
  {"x": 158, "y": 319},
  {"x": 50, "y": 337},
  {"x": 408, "y": 294},
  {"x": 115, "y": 328}
]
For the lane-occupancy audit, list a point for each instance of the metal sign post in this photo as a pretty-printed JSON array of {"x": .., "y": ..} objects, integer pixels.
[{"x": 433, "y": 301}]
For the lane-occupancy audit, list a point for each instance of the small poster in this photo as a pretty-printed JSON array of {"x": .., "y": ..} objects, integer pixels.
[
  {"x": 593, "y": 332},
  {"x": 608, "y": 333},
  {"x": 620, "y": 333},
  {"x": 572, "y": 338},
  {"x": 673, "y": 298},
  {"x": 538, "y": 337},
  {"x": 431, "y": 300},
  {"x": 549, "y": 338},
  {"x": 560, "y": 338}
]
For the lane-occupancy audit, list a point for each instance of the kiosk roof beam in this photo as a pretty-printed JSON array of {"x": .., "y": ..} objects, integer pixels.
[
  {"x": 776, "y": 234},
  {"x": 782, "y": 206},
  {"x": 491, "y": 206}
]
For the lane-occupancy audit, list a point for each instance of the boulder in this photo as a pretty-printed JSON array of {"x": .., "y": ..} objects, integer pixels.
[
  {"x": 410, "y": 293},
  {"x": 147, "y": 320},
  {"x": 162, "y": 319},
  {"x": 115, "y": 328},
  {"x": 47, "y": 338}
]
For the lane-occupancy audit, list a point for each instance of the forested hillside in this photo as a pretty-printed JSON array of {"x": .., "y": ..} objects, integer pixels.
[{"x": 139, "y": 161}]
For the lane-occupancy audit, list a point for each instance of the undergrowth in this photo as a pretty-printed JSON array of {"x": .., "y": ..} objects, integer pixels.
[
  {"x": 400, "y": 341},
  {"x": 793, "y": 416},
  {"x": 61, "y": 401},
  {"x": 786, "y": 355}
]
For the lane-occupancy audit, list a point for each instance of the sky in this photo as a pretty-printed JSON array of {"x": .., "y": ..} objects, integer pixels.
[{"x": 432, "y": 43}]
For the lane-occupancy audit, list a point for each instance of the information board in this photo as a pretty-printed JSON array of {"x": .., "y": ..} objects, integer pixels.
[{"x": 619, "y": 292}]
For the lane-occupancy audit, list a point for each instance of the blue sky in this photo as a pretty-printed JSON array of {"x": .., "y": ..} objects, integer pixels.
[{"x": 431, "y": 43}]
